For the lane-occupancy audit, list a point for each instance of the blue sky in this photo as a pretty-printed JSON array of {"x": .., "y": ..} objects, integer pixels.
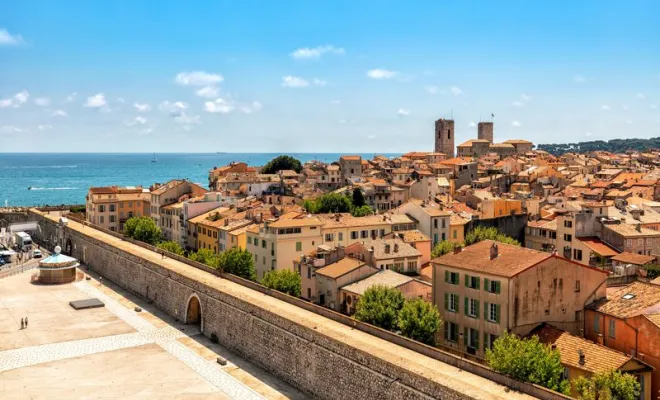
[{"x": 322, "y": 76}]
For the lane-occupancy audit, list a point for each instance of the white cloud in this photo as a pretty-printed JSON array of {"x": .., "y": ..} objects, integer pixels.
[
  {"x": 456, "y": 91},
  {"x": 207, "y": 91},
  {"x": 319, "y": 82},
  {"x": 254, "y": 107},
  {"x": 579, "y": 78},
  {"x": 472, "y": 124},
  {"x": 516, "y": 124},
  {"x": 605, "y": 107},
  {"x": 403, "y": 112},
  {"x": 7, "y": 39},
  {"x": 4, "y": 103},
  {"x": 139, "y": 120},
  {"x": 371, "y": 137},
  {"x": 518, "y": 103},
  {"x": 142, "y": 107},
  {"x": 316, "y": 52},
  {"x": 525, "y": 97},
  {"x": 381, "y": 74},
  {"x": 173, "y": 109},
  {"x": 219, "y": 105},
  {"x": 70, "y": 98},
  {"x": 96, "y": 101},
  {"x": 44, "y": 127},
  {"x": 21, "y": 98},
  {"x": 186, "y": 121},
  {"x": 42, "y": 101},
  {"x": 59, "y": 113},
  {"x": 294, "y": 81},
  {"x": 641, "y": 96},
  {"x": 432, "y": 89},
  {"x": 198, "y": 78},
  {"x": 121, "y": 100},
  {"x": 10, "y": 129}
]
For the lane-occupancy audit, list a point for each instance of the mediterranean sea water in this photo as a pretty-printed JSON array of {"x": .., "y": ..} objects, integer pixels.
[{"x": 54, "y": 179}]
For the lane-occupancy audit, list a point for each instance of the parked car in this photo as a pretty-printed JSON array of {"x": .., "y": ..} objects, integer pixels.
[{"x": 36, "y": 254}]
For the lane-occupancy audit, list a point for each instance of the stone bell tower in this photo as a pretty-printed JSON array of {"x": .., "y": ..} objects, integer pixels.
[{"x": 444, "y": 137}]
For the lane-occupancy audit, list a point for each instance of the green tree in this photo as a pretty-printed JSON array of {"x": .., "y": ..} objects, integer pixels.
[
  {"x": 362, "y": 211},
  {"x": 310, "y": 206},
  {"x": 490, "y": 233},
  {"x": 380, "y": 306},
  {"x": 333, "y": 203},
  {"x": 528, "y": 360},
  {"x": 443, "y": 248},
  {"x": 206, "y": 256},
  {"x": 610, "y": 385},
  {"x": 652, "y": 271},
  {"x": 285, "y": 281},
  {"x": 419, "y": 320},
  {"x": 281, "y": 162},
  {"x": 172, "y": 247},
  {"x": 358, "y": 197},
  {"x": 143, "y": 229},
  {"x": 238, "y": 262}
]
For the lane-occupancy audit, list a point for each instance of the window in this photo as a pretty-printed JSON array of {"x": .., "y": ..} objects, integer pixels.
[
  {"x": 364, "y": 234},
  {"x": 309, "y": 272},
  {"x": 492, "y": 286},
  {"x": 435, "y": 239},
  {"x": 451, "y": 302},
  {"x": 451, "y": 332},
  {"x": 577, "y": 254},
  {"x": 577, "y": 286},
  {"x": 628, "y": 241},
  {"x": 553, "y": 234},
  {"x": 473, "y": 338},
  {"x": 309, "y": 293},
  {"x": 568, "y": 237},
  {"x": 298, "y": 246},
  {"x": 354, "y": 235},
  {"x": 435, "y": 223},
  {"x": 612, "y": 331},
  {"x": 121, "y": 205},
  {"x": 472, "y": 308},
  {"x": 101, "y": 208},
  {"x": 444, "y": 223},
  {"x": 492, "y": 312},
  {"x": 489, "y": 339},
  {"x": 112, "y": 208},
  {"x": 112, "y": 218},
  {"x": 340, "y": 236},
  {"x": 454, "y": 233},
  {"x": 597, "y": 323},
  {"x": 443, "y": 237},
  {"x": 329, "y": 237},
  {"x": 101, "y": 219},
  {"x": 568, "y": 224},
  {"x": 452, "y": 277},
  {"x": 412, "y": 266},
  {"x": 263, "y": 243},
  {"x": 249, "y": 239},
  {"x": 471, "y": 282}
]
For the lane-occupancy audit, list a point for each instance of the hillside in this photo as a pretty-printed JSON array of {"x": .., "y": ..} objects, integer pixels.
[{"x": 614, "y": 146}]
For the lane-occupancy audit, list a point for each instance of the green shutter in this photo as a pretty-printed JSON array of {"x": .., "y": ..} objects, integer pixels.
[
  {"x": 478, "y": 283},
  {"x": 486, "y": 280},
  {"x": 458, "y": 304},
  {"x": 446, "y": 301},
  {"x": 476, "y": 341},
  {"x": 485, "y": 341},
  {"x": 497, "y": 287},
  {"x": 446, "y": 331},
  {"x": 446, "y": 276},
  {"x": 465, "y": 336},
  {"x": 476, "y": 309},
  {"x": 497, "y": 313},
  {"x": 467, "y": 280},
  {"x": 465, "y": 302},
  {"x": 486, "y": 311}
]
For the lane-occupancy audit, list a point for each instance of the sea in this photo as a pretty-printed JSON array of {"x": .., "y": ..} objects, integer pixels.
[{"x": 38, "y": 179}]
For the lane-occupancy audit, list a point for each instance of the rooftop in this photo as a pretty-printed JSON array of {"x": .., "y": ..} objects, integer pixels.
[
  {"x": 391, "y": 248},
  {"x": 627, "y": 230},
  {"x": 341, "y": 267},
  {"x": 632, "y": 258},
  {"x": 288, "y": 223},
  {"x": 632, "y": 300},
  {"x": 597, "y": 245},
  {"x": 386, "y": 278}
]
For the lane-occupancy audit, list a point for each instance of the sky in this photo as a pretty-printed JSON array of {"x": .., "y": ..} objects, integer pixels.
[{"x": 322, "y": 76}]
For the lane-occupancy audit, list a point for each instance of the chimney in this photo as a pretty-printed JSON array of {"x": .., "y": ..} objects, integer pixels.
[
  {"x": 600, "y": 339},
  {"x": 396, "y": 247},
  {"x": 226, "y": 221},
  {"x": 457, "y": 249},
  {"x": 493, "y": 251},
  {"x": 337, "y": 217},
  {"x": 581, "y": 354},
  {"x": 387, "y": 248},
  {"x": 554, "y": 346},
  {"x": 638, "y": 227}
]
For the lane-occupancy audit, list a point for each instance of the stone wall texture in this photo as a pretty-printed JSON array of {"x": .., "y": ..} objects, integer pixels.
[{"x": 301, "y": 350}]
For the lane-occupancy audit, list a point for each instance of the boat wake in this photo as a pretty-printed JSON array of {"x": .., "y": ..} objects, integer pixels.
[{"x": 52, "y": 188}]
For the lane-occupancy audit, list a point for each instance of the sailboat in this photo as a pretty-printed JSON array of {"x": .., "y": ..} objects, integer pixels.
[{"x": 155, "y": 160}]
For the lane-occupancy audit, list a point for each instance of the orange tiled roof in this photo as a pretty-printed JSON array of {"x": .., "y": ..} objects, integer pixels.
[
  {"x": 632, "y": 300},
  {"x": 632, "y": 258},
  {"x": 341, "y": 267},
  {"x": 598, "y": 246}
]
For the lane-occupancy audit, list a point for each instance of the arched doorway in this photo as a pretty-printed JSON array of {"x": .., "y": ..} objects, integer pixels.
[
  {"x": 68, "y": 247},
  {"x": 194, "y": 311}
]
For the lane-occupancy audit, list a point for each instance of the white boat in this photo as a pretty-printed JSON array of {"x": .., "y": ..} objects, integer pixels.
[{"x": 154, "y": 160}]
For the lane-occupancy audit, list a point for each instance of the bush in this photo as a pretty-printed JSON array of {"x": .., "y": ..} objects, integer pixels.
[
  {"x": 143, "y": 229},
  {"x": 78, "y": 209},
  {"x": 358, "y": 197},
  {"x": 284, "y": 281},
  {"x": 528, "y": 360},
  {"x": 443, "y": 248},
  {"x": 419, "y": 320},
  {"x": 491, "y": 233},
  {"x": 362, "y": 211},
  {"x": 652, "y": 271},
  {"x": 380, "y": 306},
  {"x": 607, "y": 385},
  {"x": 172, "y": 247},
  {"x": 280, "y": 163},
  {"x": 238, "y": 262},
  {"x": 206, "y": 256}
]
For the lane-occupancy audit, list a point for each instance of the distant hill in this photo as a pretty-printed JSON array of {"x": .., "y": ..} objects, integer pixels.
[{"x": 614, "y": 146}]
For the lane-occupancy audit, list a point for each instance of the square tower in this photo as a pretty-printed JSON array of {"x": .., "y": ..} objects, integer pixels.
[
  {"x": 485, "y": 131},
  {"x": 444, "y": 137}
]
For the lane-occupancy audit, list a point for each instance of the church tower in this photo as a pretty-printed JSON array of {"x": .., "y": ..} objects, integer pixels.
[{"x": 444, "y": 137}]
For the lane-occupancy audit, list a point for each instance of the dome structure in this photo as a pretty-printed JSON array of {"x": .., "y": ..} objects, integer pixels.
[{"x": 58, "y": 268}]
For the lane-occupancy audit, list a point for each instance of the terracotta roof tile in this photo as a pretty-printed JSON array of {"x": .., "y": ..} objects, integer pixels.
[
  {"x": 633, "y": 300},
  {"x": 632, "y": 258},
  {"x": 341, "y": 267}
]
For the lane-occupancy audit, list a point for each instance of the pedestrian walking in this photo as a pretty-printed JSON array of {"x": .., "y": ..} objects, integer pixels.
[
  {"x": 22, "y": 323},
  {"x": 25, "y": 322}
]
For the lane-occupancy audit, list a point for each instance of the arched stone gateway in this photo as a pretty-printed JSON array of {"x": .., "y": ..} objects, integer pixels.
[{"x": 194, "y": 311}]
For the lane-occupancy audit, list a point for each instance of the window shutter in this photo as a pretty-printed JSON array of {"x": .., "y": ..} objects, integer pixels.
[
  {"x": 446, "y": 276},
  {"x": 467, "y": 280},
  {"x": 446, "y": 331},
  {"x": 486, "y": 287},
  {"x": 458, "y": 304},
  {"x": 465, "y": 336},
  {"x": 476, "y": 308},
  {"x": 486, "y": 310},
  {"x": 485, "y": 341},
  {"x": 478, "y": 283},
  {"x": 497, "y": 313},
  {"x": 465, "y": 302},
  {"x": 476, "y": 340},
  {"x": 446, "y": 301},
  {"x": 497, "y": 287}
]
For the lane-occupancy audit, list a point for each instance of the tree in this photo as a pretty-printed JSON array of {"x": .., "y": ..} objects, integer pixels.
[
  {"x": 143, "y": 229},
  {"x": 285, "y": 281},
  {"x": 281, "y": 162},
  {"x": 610, "y": 385},
  {"x": 528, "y": 360},
  {"x": 362, "y": 211},
  {"x": 333, "y": 203},
  {"x": 490, "y": 233},
  {"x": 238, "y": 262},
  {"x": 206, "y": 256},
  {"x": 358, "y": 197},
  {"x": 380, "y": 306},
  {"x": 652, "y": 271},
  {"x": 172, "y": 247},
  {"x": 443, "y": 248},
  {"x": 419, "y": 320}
]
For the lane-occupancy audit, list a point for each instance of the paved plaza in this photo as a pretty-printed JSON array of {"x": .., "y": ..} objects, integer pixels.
[{"x": 112, "y": 351}]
